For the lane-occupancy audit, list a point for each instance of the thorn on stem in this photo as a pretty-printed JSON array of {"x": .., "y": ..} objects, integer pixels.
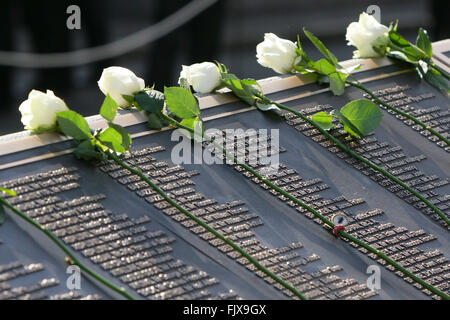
[{"x": 69, "y": 261}]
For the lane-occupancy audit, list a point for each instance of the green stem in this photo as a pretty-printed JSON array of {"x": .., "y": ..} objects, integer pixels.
[
  {"x": 406, "y": 115},
  {"x": 439, "y": 69},
  {"x": 315, "y": 212},
  {"x": 62, "y": 246},
  {"x": 207, "y": 227},
  {"x": 372, "y": 165}
]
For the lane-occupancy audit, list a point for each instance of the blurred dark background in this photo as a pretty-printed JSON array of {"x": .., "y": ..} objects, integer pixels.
[{"x": 228, "y": 31}]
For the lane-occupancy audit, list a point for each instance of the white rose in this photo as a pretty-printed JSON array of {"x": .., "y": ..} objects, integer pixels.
[
  {"x": 204, "y": 77},
  {"x": 362, "y": 35},
  {"x": 40, "y": 109},
  {"x": 277, "y": 54},
  {"x": 118, "y": 81}
]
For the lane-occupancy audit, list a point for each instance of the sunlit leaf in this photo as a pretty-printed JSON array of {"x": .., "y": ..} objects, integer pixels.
[
  {"x": 362, "y": 116},
  {"x": 126, "y": 138},
  {"x": 424, "y": 43},
  {"x": 321, "y": 47},
  {"x": 113, "y": 140},
  {"x": 348, "y": 126},
  {"x": 8, "y": 191},
  {"x": 323, "y": 120},
  {"x": 195, "y": 124},
  {"x": 109, "y": 108},
  {"x": 437, "y": 80},
  {"x": 74, "y": 125},
  {"x": 400, "y": 44},
  {"x": 337, "y": 83},
  {"x": 243, "y": 89},
  {"x": 181, "y": 102},
  {"x": 323, "y": 66}
]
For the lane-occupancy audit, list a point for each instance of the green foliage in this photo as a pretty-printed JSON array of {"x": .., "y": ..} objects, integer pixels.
[
  {"x": 323, "y": 79},
  {"x": 128, "y": 98},
  {"x": 184, "y": 105},
  {"x": 321, "y": 47},
  {"x": 195, "y": 124},
  {"x": 115, "y": 138},
  {"x": 74, "y": 125},
  {"x": 394, "y": 26},
  {"x": 435, "y": 78},
  {"x": 363, "y": 114},
  {"x": 109, "y": 108},
  {"x": 191, "y": 123},
  {"x": 323, "y": 120},
  {"x": 402, "y": 49},
  {"x": 380, "y": 45},
  {"x": 181, "y": 102},
  {"x": 337, "y": 83},
  {"x": 266, "y": 106},
  {"x": 398, "y": 39},
  {"x": 423, "y": 42},
  {"x": 324, "y": 67},
  {"x": 348, "y": 125},
  {"x": 251, "y": 82},
  {"x": 2, "y": 209},
  {"x": 359, "y": 117},
  {"x": 150, "y": 101},
  {"x": 305, "y": 64},
  {"x": 154, "y": 122},
  {"x": 86, "y": 150},
  {"x": 419, "y": 53},
  {"x": 223, "y": 68},
  {"x": 125, "y": 135},
  {"x": 396, "y": 47},
  {"x": 243, "y": 89},
  {"x": 8, "y": 191},
  {"x": 329, "y": 70}
]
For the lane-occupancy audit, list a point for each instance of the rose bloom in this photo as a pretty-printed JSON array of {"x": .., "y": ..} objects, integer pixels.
[
  {"x": 118, "y": 81},
  {"x": 40, "y": 109},
  {"x": 204, "y": 77},
  {"x": 364, "y": 33},
  {"x": 277, "y": 54}
]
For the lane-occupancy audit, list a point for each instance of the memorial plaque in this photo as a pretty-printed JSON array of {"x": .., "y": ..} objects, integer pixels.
[{"x": 120, "y": 227}]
